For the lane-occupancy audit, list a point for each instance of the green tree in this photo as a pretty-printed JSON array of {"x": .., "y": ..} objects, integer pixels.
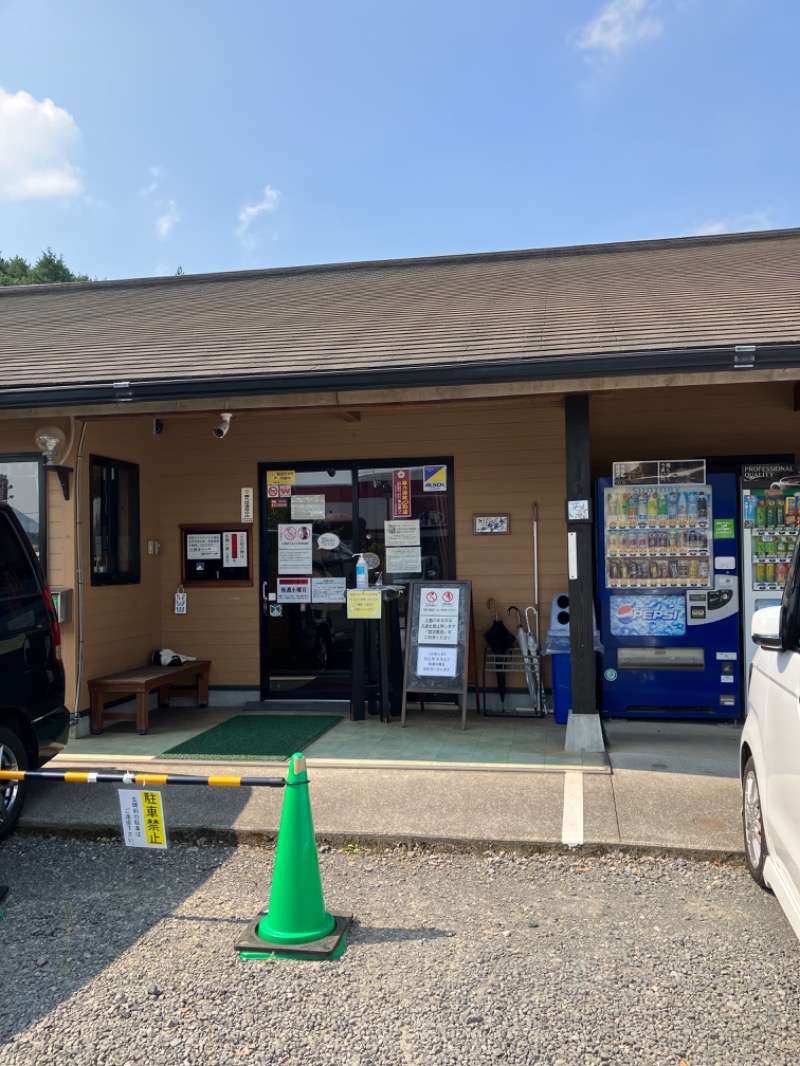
[{"x": 48, "y": 269}]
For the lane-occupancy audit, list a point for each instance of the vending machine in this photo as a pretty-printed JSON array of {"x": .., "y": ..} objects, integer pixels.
[
  {"x": 770, "y": 525},
  {"x": 668, "y": 595}
]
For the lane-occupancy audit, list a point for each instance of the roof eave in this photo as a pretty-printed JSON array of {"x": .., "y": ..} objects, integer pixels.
[{"x": 689, "y": 361}]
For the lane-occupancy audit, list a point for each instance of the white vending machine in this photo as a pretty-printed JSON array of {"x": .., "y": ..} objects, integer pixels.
[{"x": 770, "y": 526}]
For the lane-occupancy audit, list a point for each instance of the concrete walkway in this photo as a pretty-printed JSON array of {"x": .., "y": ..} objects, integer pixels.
[{"x": 669, "y": 786}]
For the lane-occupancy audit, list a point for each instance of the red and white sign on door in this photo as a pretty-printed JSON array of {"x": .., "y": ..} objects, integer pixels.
[{"x": 401, "y": 495}]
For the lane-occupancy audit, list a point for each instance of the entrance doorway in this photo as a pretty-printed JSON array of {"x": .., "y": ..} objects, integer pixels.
[{"x": 314, "y": 521}]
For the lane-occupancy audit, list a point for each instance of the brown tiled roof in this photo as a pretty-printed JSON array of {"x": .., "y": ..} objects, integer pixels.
[{"x": 576, "y": 305}]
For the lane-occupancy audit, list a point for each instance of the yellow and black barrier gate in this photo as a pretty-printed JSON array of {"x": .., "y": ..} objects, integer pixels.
[{"x": 296, "y": 924}]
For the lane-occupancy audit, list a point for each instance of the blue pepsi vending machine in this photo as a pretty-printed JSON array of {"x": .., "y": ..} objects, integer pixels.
[{"x": 668, "y": 597}]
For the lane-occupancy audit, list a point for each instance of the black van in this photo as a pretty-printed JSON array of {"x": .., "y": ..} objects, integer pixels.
[{"x": 34, "y": 723}]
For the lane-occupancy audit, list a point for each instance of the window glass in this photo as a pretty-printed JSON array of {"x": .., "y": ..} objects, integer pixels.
[
  {"x": 20, "y": 486},
  {"x": 114, "y": 521}
]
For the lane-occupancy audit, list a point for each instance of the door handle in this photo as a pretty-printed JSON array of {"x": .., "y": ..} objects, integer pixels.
[{"x": 264, "y": 593}]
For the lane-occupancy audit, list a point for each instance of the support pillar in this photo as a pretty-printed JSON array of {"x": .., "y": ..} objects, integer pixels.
[{"x": 584, "y": 732}]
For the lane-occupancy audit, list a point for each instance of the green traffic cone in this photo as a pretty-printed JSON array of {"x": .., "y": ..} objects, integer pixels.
[{"x": 295, "y": 924}]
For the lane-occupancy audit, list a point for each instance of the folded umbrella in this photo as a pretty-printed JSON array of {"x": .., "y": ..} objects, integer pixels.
[{"x": 500, "y": 641}]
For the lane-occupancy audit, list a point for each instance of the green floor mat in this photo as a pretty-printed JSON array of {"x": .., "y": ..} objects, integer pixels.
[{"x": 269, "y": 737}]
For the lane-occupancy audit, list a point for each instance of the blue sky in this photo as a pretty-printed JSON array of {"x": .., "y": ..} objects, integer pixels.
[{"x": 139, "y": 138}]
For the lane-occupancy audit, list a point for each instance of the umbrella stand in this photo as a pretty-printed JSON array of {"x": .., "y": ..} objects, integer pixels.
[{"x": 524, "y": 647}]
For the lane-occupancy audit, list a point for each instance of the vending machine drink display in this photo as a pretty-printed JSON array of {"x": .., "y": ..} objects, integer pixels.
[
  {"x": 770, "y": 525},
  {"x": 668, "y": 598}
]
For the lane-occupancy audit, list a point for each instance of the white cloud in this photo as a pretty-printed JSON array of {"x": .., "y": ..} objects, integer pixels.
[
  {"x": 166, "y": 223},
  {"x": 620, "y": 25},
  {"x": 756, "y": 220},
  {"x": 156, "y": 174},
  {"x": 36, "y": 139},
  {"x": 250, "y": 212}
]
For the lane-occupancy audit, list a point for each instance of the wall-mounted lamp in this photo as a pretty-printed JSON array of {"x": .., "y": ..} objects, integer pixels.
[
  {"x": 50, "y": 441},
  {"x": 221, "y": 429}
]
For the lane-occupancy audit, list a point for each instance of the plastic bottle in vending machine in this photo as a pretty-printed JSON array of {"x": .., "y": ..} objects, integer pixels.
[
  {"x": 780, "y": 512},
  {"x": 702, "y": 506},
  {"x": 771, "y": 512},
  {"x": 642, "y": 508},
  {"x": 663, "y": 506},
  {"x": 692, "y": 505},
  {"x": 652, "y": 507},
  {"x": 683, "y": 507},
  {"x": 632, "y": 506},
  {"x": 612, "y": 507},
  {"x": 672, "y": 505},
  {"x": 749, "y": 509},
  {"x": 760, "y": 513}
]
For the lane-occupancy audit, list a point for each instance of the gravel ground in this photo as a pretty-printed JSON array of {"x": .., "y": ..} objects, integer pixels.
[{"x": 117, "y": 956}]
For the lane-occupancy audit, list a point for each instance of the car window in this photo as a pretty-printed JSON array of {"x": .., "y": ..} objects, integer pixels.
[{"x": 17, "y": 577}]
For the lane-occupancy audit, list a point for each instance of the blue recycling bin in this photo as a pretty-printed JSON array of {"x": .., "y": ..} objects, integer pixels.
[
  {"x": 562, "y": 687},
  {"x": 556, "y": 645}
]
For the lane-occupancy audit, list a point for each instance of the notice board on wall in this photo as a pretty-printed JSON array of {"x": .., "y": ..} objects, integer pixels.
[
  {"x": 438, "y": 627},
  {"x": 216, "y": 555}
]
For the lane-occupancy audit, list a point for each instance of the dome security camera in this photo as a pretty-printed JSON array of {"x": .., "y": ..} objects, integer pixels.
[{"x": 224, "y": 425}]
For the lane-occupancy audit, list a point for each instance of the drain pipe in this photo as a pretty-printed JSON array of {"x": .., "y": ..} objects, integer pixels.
[{"x": 79, "y": 579}]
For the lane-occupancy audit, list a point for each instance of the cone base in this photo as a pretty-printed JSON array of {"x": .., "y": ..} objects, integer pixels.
[{"x": 251, "y": 946}]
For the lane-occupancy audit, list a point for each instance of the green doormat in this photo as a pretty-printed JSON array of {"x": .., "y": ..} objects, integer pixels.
[{"x": 268, "y": 737}]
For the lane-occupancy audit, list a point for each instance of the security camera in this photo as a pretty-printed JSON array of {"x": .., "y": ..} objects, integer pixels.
[{"x": 222, "y": 428}]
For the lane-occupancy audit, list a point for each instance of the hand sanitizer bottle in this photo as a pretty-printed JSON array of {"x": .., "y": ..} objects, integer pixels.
[{"x": 362, "y": 576}]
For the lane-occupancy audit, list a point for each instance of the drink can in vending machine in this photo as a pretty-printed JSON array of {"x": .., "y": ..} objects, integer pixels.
[
  {"x": 683, "y": 540},
  {"x": 702, "y": 541},
  {"x": 663, "y": 571},
  {"x": 622, "y": 542},
  {"x": 652, "y": 541},
  {"x": 781, "y": 573},
  {"x": 691, "y": 539},
  {"x": 694, "y": 569},
  {"x": 769, "y": 573},
  {"x": 624, "y": 571},
  {"x": 702, "y": 570},
  {"x": 683, "y": 570},
  {"x": 672, "y": 543},
  {"x": 613, "y": 571},
  {"x": 673, "y": 571},
  {"x": 760, "y": 573},
  {"x": 653, "y": 570},
  {"x": 663, "y": 540},
  {"x": 613, "y": 541}
]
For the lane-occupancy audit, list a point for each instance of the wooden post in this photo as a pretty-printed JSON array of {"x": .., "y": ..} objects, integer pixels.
[{"x": 581, "y": 577}]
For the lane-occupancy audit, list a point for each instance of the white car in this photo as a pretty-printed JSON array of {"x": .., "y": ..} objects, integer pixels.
[{"x": 769, "y": 762}]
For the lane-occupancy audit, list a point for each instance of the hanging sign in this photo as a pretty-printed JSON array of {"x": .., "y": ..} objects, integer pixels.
[
  {"x": 280, "y": 477},
  {"x": 143, "y": 823},
  {"x": 363, "y": 603},
  {"x": 434, "y": 478},
  {"x": 401, "y": 534},
  {"x": 294, "y": 548},
  {"x": 234, "y": 549},
  {"x": 401, "y": 493},
  {"x": 308, "y": 506},
  {"x": 294, "y": 590}
]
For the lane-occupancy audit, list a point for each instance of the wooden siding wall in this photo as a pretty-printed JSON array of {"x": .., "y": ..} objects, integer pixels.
[
  {"x": 678, "y": 422},
  {"x": 506, "y": 457}
]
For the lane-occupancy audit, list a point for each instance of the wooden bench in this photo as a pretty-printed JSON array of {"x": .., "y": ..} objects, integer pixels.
[{"x": 140, "y": 682}]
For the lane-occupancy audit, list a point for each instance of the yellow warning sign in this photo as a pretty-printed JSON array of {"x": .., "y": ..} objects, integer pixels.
[
  {"x": 434, "y": 478},
  {"x": 280, "y": 477},
  {"x": 363, "y": 603}
]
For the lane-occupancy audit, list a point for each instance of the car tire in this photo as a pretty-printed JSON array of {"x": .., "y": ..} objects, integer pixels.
[
  {"x": 755, "y": 842},
  {"x": 12, "y": 793}
]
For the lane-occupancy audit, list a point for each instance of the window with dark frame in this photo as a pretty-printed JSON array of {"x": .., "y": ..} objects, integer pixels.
[{"x": 115, "y": 522}]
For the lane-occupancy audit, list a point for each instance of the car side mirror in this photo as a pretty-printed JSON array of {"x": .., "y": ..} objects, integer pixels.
[{"x": 765, "y": 628}]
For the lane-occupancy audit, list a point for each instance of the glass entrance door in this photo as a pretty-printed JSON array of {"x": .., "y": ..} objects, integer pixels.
[
  {"x": 307, "y": 638},
  {"x": 313, "y": 522}
]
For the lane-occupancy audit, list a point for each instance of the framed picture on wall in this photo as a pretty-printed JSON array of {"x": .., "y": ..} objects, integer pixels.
[{"x": 491, "y": 523}]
